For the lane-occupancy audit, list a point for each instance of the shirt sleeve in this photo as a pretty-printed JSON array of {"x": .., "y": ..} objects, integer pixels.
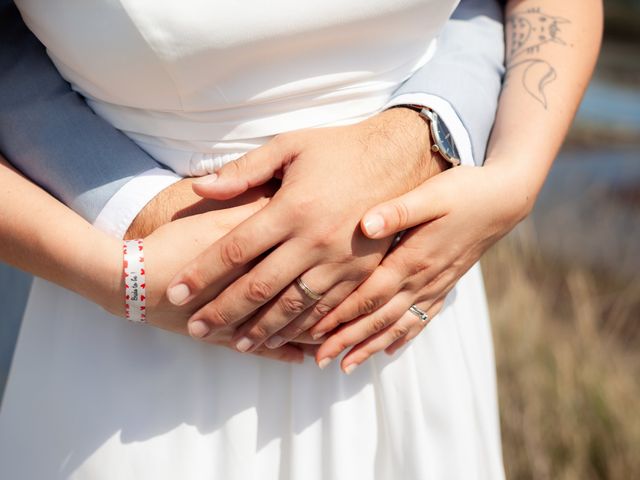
[
  {"x": 463, "y": 79},
  {"x": 49, "y": 133},
  {"x": 123, "y": 207}
]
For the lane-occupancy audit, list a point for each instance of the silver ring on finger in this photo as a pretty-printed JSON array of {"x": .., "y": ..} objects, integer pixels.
[
  {"x": 421, "y": 314},
  {"x": 315, "y": 296}
]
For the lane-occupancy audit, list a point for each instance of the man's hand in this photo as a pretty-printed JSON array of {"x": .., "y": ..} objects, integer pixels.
[
  {"x": 179, "y": 201},
  {"x": 330, "y": 177}
]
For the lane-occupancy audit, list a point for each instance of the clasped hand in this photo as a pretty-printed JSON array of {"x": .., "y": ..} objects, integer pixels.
[{"x": 309, "y": 229}]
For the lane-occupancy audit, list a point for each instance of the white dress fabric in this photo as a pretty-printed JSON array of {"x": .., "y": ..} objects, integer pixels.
[{"x": 197, "y": 83}]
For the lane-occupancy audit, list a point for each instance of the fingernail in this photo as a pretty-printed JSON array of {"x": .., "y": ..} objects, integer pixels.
[
  {"x": 178, "y": 294},
  {"x": 274, "y": 342},
  {"x": 350, "y": 368},
  {"x": 206, "y": 180},
  {"x": 198, "y": 329},
  {"x": 244, "y": 344},
  {"x": 373, "y": 224},
  {"x": 316, "y": 336},
  {"x": 324, "y": 362}
]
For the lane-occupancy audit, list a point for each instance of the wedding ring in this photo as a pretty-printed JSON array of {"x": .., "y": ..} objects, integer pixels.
[
  {"x": 421, "y": 314},
  {"x": 307, "y": 291}
]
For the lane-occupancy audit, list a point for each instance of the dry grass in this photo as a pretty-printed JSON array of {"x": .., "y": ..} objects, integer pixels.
[{"x": 568, "y": 353}]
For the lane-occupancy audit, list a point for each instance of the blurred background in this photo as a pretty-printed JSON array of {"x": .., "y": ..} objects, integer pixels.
[{"x": 564, "y": 290}]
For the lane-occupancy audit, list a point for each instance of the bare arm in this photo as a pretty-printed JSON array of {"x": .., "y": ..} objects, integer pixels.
[
  {"x": 42, "y": 236},
  {"x": 551, "y": 52},
  {"x": 552, "y": 48}
]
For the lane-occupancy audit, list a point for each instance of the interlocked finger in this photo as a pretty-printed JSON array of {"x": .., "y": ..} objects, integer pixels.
[
  {"x": 405, "y": 329},
  {"x": 362, "y": 329},
  {"x": 312, "y": 315},
  {"x": 228, "y": 255},
  {"x": 258, "y": 287},
  {"x": 291, "y": 302},
  {"x": 374, "y": 292},
  {"x": 401, "y": 342}
]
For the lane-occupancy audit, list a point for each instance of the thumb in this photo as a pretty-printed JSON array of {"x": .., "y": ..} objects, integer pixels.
[
  {"x": 423, "y": 204},
  {"x": 254, "y": 168}
]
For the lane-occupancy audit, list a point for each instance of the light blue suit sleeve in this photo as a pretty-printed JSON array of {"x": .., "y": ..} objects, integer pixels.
[
  {"x": 49, "y": 133},
  {"x": 467, "y": 69}
]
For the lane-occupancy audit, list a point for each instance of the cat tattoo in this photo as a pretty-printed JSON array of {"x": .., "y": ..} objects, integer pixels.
[{"x": 528, "y": 31}]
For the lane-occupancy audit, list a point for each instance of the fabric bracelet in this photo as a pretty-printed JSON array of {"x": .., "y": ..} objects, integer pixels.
[{"x": 134, "y": 280}]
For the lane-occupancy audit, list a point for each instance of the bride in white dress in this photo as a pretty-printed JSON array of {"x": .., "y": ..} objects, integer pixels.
[{"x": 198, "y": 84}]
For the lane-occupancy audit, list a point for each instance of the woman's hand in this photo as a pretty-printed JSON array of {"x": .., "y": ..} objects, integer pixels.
[
  {"x": 330, "y": 177},
  {"x": 460, "y": 213},
  {"x": 468, "y": 209},
  {"x": 172, "y": 245}
]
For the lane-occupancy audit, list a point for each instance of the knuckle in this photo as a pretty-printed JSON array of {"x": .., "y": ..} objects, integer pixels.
[
  {"x": 366, "y": 271},
  {"x": 321, "y": 309},
  {"x": 324, "y": 241},
  {"x": 400, "y": 212},
  {"x": 239, "y": 164},
  {"x": 341, "y": 345},
  {"x": 259, "y": 291},
  {"x": 194, "y": 277},
  {"x": 232, "y": 253},
  {"x": 232, "y": 168},
  {"x": 399, "y": 331},
  {"x": 416, "y": 266},
  {"x": 293, "y": 331},
  {"x": 378, "y": 323},
  {"x": 291, "y": 306},
  {"x": 364, "y": 356},
  {"x": 296, "y": 216},
  {"x": 218, "y": 318},
  {"x": 368, "y": 305},
  {"x": 258, "y": 332}
]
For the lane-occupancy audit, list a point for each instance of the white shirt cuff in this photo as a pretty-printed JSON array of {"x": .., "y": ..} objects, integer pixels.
[
  {"x": 448, "y": 115},
  {"x": 121, "y": 209}
]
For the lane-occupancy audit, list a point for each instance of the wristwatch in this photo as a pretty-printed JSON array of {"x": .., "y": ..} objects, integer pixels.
[{"x": 442, "y": 140}]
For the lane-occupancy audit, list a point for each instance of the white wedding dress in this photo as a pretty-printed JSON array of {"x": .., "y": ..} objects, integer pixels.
[{"x": 197, "y": 83}]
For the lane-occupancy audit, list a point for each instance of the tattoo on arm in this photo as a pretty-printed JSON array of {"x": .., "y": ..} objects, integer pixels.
[{"x": 527, "y": 32}]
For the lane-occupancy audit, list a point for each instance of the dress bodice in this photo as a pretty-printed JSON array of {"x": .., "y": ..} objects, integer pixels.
[{"x": 197, "y": 82}]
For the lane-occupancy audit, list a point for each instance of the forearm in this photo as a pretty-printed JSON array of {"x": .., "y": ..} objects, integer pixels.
[
  {"x": 466, "y": 73},
  {"x": 41, "y": 236},
  {"x": 551, "y": 52},
  {"x": 49, "y": 133}
]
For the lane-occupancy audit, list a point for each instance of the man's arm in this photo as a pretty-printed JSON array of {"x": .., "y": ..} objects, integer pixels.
[
  {"x": 463, "y": 79},
  {"x": 49, "y": 133},
  {"x": 271, "y": 282},
  {"x": 552, "y": 48}
]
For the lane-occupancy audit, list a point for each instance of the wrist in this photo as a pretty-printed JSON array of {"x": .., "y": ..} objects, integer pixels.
[
  {"x": 408, "y": 129},
  {"x": 104, "y": 283},
  {"x": 514, "y": 184},
  {"x": 176, "y": 201}
]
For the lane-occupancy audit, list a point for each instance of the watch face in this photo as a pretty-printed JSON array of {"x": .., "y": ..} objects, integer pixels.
[{"x": 444, "y": 139}]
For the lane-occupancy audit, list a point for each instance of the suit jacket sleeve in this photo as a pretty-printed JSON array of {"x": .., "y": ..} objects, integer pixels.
[
  {"x": 462, "y": 81},
  {"x": 49, "y": 133}
]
